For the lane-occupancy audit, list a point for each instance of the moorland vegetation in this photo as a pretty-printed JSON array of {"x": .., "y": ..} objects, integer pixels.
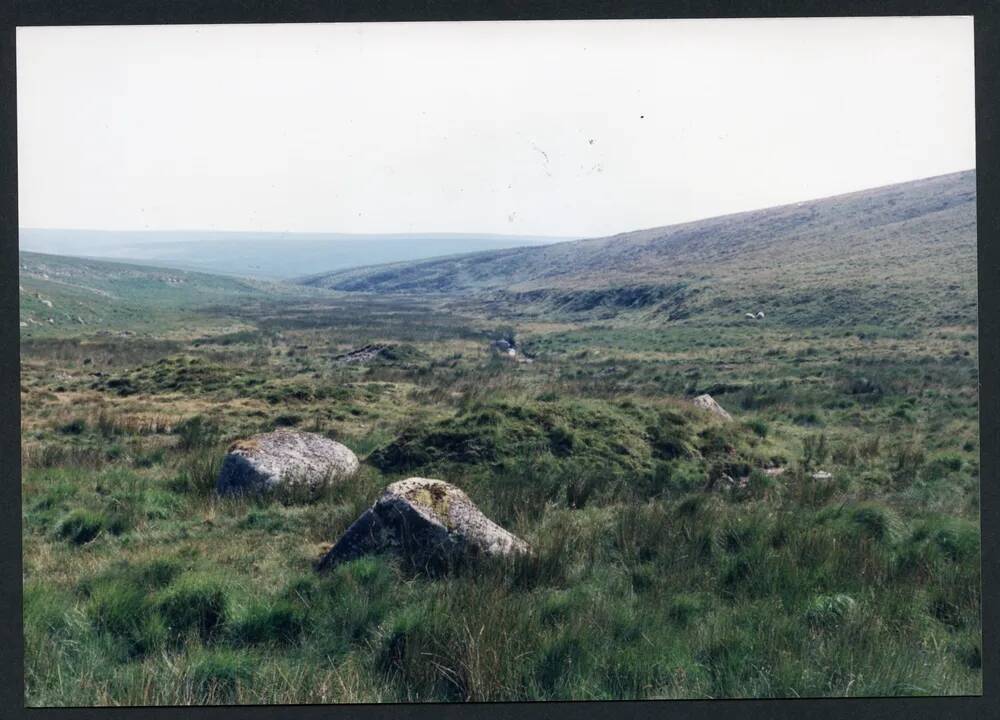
[{"x": 824, "y": 542}]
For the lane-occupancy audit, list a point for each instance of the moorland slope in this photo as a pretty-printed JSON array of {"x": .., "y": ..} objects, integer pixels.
[
  {"x": 903, "y": 252},
  {"x": 264, "y": 255},
  {"x": 66, "y": 294}
]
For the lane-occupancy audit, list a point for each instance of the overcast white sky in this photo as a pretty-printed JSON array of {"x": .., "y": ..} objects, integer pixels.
[{"x": 548, "y": 128}]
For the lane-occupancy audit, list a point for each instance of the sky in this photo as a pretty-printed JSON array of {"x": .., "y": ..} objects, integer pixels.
[{"x": 562, "y": 128}]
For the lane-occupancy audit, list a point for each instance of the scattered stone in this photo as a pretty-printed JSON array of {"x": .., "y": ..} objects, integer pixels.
[
  {"x": 774, "y": 471},
  {"x": 361, "y": 355},
  {"x": 46, "y": 303},
  {"x": 740, "y": 483},
  {"x": 707, "y": 402},
  {"x": 430, "y": 522},
  {"x": 507, "y": 349},
  {"x": 284, "y": 458},
  {"x": 822, "y": 475}
]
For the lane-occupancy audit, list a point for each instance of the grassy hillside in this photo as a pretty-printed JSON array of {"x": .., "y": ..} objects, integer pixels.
[
  {"x": 903, "y": 254},
  {"x": 63, "y": 295}
]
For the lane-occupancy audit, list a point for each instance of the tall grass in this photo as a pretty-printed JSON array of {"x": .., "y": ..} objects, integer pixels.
[{"x": 672, "y": 555}]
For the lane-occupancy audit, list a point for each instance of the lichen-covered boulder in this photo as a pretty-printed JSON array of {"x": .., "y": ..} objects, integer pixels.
[
  {"x": 429, "y": 522},
  {"x": 284, "y": 458},
  {"x": 707, "y": 402}
]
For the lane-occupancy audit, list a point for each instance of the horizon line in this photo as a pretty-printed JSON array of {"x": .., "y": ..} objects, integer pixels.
[{"x": 504, "y": 235}]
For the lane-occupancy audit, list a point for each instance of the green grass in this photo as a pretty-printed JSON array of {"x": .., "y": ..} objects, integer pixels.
[
  {"x": 675, "y": 556},
  {"x": 80, "y": 526}
]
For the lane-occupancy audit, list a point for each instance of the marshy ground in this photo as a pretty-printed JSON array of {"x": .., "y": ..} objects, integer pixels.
[{"x": 653, "y": 576}]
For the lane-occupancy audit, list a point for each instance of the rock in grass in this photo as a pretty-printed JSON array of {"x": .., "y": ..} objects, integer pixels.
[
  {"x": 430, "y": 522},
  {"x": 707, "y": 402},
  {"x": 284, "y": 458}
]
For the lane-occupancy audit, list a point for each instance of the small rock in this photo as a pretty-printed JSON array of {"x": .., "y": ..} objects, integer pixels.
[
  {"x": 430, "y": 522},
  {"x": 707, "y": 402}
]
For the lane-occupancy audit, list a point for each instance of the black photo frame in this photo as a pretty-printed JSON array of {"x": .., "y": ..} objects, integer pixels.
[{"x": 127, "y": 12}]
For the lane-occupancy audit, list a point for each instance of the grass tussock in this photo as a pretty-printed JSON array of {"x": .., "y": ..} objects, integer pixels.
[{"x": 826, "y": 542}]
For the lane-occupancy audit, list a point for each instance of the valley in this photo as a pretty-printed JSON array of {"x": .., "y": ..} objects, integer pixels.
[{"x": 823, "y": 542}]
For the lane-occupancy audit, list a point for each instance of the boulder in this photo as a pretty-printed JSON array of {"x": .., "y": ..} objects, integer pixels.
[
  {"x": 284, "y": 458},
  {"x": 429, "y": 522},
  {"x": 707, "y": 402}
]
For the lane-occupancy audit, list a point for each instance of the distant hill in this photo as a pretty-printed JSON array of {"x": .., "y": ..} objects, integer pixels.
[
  {"x": 271, "y": 256},
  {"x": 58, "y": 294},
  {"x": 905, "y": 251}
]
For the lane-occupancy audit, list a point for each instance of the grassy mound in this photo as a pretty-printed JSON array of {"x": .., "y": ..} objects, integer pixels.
[
  {"x": 489, "y": 434},
  {"x": 521, "y": 456}
]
